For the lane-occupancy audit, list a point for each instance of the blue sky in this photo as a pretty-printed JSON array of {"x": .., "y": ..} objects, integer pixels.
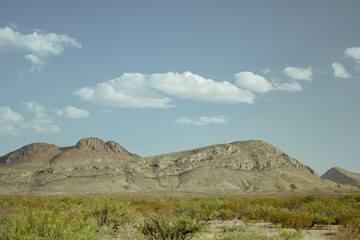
[{"x": 164, "y": 76}]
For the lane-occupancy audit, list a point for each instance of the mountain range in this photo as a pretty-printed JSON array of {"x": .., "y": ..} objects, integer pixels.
[{"x": 93, "y": 167}]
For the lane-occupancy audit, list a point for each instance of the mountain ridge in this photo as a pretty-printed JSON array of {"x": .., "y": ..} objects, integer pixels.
[{"x": 93, "y": 166}]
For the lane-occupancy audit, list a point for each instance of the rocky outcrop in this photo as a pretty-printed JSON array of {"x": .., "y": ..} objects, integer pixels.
[
  {"x": 342, "y": 176},
  {"x": 241, "y": 156},
  {"x": 91, "y": 144},
  {"x": 97, "y": 145}
]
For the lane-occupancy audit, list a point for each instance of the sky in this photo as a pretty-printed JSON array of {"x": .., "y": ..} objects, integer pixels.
[{"x": 165, "y": 76}]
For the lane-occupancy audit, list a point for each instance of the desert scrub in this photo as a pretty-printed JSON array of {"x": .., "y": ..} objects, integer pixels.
[
  {"x": 47, "y": 224},
  {"x": 128, "y": 217},
  {"x": 171, "y": 227},
  {"x": 111, "y": 212}
]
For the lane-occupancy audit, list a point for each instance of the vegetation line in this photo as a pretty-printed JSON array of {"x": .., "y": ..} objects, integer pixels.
[{"x": 171, "y": 217}]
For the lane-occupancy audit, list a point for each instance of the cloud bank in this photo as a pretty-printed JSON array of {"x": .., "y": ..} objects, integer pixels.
[
  {"x": 38, "y": 45},
  {"x": 204, "y": 120}
]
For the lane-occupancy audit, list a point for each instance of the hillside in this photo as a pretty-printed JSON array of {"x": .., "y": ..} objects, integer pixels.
[
  {"x": 95, "y": 167},
  {"x": 342, "y": 176}
]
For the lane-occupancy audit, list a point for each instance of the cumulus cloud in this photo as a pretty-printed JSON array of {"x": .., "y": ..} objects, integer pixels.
[
  {"x": 253, "y": 82},
  {"x": 298, "y": 73},
  {"x": 288, "y": 87},
  {"x": 41, "y": 122},
  {"x": 72, "y": 112},
  {"x": 192, "y": 86},
  {"x": 129, "y": 90},
  {"x": 138, "y": 90},
  {"x": 257, "y": 83},
  {"x": 339, "y": 70},
  {"x": 204, "y": 120},
  {"x": 353, "y": 53},
  {"x": 38, "y": 45},
  {"x": 10, "y": 121}
]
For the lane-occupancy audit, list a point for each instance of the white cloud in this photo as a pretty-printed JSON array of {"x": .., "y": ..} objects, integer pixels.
[
  {"x": 289, "y": 87},
  {"x": 8, "y": 115},
  {"x": 353, "y": 52},
  {"x": 138, "y": 90},
  {"x": 298, "y": 73},
  {"x": 45, "y": 128},
  {"x": 72, "y": 112},
  {"x": 10, "y": 121},
  {"x": 41, "y": 122},
  {"x": 37, "y": 62},
  {"x": 257, "y": 83},
  {"x": 129, "y": 90},
  {"x": 39, "y": 45},
  {"x": 339, "y": 70},
  {"x": 192, "y": 86},
  {"x": 253, "y": 82},
  {"x": 204, "y": 120}
]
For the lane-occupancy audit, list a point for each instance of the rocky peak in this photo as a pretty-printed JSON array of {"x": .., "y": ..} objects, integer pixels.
[
  {"x": 92, "y": 143},
  {"x": 115, "y": 147},
  {"x": 98, "y": 145}
]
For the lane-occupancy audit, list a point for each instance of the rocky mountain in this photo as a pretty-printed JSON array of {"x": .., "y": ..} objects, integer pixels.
[
  {"x": 342, "y": 176},
  {"x": 86, "y": 151},
  {"x": 95, "y": 167}
]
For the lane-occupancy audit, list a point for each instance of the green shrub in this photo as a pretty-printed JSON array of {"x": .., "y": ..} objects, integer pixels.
[
  {"x": 171, "y": 228},
  {"x": 45, "y": 224}
]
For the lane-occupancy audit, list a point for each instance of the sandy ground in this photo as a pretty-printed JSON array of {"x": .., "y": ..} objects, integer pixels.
[{"x": 269, "y": 229}]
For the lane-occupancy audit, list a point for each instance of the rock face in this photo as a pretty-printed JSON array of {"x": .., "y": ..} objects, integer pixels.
[
  {"x": 342, "y": 176},
  {"x": 93, "y": 166}
]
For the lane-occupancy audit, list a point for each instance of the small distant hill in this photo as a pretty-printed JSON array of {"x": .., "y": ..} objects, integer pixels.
[{"x": 342, "y": 176}]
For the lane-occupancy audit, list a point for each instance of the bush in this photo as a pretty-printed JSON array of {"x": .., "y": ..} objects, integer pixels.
[{"x": 171, "y": 228}]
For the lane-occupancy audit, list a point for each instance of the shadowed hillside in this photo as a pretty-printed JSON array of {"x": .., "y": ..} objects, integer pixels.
[{"x": 342, "y": 176}]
